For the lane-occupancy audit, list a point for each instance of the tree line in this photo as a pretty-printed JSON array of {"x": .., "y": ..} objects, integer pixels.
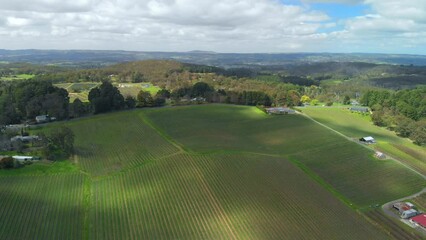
[{"x": 402, "y": 111}]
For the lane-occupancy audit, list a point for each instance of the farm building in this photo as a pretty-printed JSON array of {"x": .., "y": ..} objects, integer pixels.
[
  {"x": 25, "y": 158},
  {"x": 409, "y": 213},
  {"x": 368, "y": 139},
  {"x": 419, "y": 220},
  {"x": 42, "y": 119},
  {"x": 402, "y": 206},
  {"x": 280, "y": 110},
  {"x": 24, "y": 138},
  {"x": 359, "y": 109}
]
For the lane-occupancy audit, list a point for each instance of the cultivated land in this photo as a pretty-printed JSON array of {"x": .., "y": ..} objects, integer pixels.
[
  {"x": 42, "y": 207},
  {"x": 356, "y": 125},
  {"x": 202, "y": 172},
  {"x": 342, "y": 165}
]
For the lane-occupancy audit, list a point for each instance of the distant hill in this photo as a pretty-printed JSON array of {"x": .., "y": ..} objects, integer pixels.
[{"x": 89, "y": 58}]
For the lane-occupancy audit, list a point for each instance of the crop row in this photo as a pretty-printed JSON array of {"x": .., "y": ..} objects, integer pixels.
[
  {"x": 362, "y": 179},
  {"x": 221, "y": 197},
  {"x": 119, "y": 141},
  {"x": 43, "y": 207}
]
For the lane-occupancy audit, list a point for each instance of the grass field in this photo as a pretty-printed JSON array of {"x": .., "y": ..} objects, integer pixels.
[
  {"x": 17, "y": 77},
  {"x": 201, "y": 172},
  {"x": 132, "y": 89},
  {"x": 357, "y": 125}
]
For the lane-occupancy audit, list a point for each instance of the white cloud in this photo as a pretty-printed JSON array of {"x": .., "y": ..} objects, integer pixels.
[{"x": 220, "y": 25}]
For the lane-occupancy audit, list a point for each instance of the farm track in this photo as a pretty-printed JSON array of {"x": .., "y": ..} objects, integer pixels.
[
  {"x": 365, "y": 146},
  {"x": 392, "y": 227}
]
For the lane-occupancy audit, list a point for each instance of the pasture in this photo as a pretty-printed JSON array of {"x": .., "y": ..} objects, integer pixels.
[{"x": 356, "y": 125}]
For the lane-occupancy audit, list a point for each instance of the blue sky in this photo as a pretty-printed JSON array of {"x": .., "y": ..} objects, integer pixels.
[{"x": 247, "y": 26}]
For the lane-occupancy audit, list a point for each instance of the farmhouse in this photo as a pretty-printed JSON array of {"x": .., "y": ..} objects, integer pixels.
[
  {"x": 42, "y": 119},
  {"x": 359, "y": 109},
  {"x": 280, "y": 110},
  {"x": 419, "y": 220},
  {"x": 368, "y": 139},
  {"x": 402, "y": 206}
]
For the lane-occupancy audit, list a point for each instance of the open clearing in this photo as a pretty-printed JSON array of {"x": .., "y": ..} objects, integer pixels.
[{"x": 202, "y": 172}]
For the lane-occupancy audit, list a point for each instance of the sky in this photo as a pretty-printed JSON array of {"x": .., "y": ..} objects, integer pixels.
[{"x": 239, "y": 26}]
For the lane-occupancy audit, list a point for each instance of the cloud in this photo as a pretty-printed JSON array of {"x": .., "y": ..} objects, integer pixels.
[
  {"x": 221, "y": 25},
  {"x": 47, "y": 5},
  {"x": 352, "y": 2},
  {"x": 391, "y": 25}
]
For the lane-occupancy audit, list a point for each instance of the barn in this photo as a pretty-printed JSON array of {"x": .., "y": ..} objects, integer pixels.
[{"x": 419, "y": 220}]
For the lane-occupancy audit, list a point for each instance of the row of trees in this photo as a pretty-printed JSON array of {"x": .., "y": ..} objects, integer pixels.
[{"x": 402, "y": 111}]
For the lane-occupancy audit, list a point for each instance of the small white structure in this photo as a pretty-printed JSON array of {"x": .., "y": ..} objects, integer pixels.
[
  {"x": 23, "y": 158},
  {"x": 380, "y": 155},
  {"x": 368, "y": 139},
  {"x": 42, "y": 119},
  {"x": 409, "y": 213},
  {"x": 24, "y": 138}
]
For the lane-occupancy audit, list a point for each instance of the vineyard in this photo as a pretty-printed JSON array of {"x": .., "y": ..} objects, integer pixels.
[
  {"x": 42, "y": 207},
  {"x": 354, "y": 172},
  {"x": 221, "y": 197},
  {"x": 201, "y": 172},
  {"x": 356, "y": 125},
  {"x": 113, "y": 142}
]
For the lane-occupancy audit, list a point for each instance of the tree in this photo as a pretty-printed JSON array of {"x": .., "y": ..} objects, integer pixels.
[
  {"x": 144, "y": 99},
  {"x": 137, "y": 77},
  {"x": 7, "y": 162},
  {"x": 346, "y": 100},
  {"x": 201, "y": 89},
  {"x": 105, "y": 98},
  {"x": 77, "y": 108},
  {"x": 305, "y": 99},
  {"x": 419, "y": 134},
  {"x": 59, "y": 144},
  {"x": 130, "y": 102}
]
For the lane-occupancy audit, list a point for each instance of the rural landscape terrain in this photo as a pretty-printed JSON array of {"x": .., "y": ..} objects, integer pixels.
[{"x": 165, "y": 149}]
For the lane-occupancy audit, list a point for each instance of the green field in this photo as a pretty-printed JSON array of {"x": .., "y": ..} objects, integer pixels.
[
  {"x": 132, "y": 89},
  {"x": 221, "y": 197},
  {"x": 357, "y": 125},
  {"x": 42, "y": 207},
  {"x": 17, "y": 77},
  {"x": 202, "y": 172},
  {"x": 345, "y": 166}
]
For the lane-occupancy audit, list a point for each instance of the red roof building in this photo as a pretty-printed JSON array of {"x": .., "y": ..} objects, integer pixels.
[{"x": 420, "y": 220}]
